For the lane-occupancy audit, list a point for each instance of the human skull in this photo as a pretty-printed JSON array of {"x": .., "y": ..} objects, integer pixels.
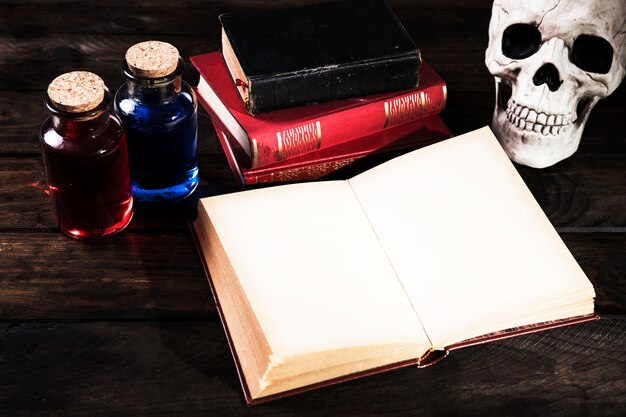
[{"x": 556, "y": 59}]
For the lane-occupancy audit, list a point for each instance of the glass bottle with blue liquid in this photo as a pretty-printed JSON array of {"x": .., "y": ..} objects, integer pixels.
[{"x": 159, "y": 111}]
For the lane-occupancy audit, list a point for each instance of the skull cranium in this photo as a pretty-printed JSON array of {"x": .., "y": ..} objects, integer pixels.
[{"x": 557, "y": 59}]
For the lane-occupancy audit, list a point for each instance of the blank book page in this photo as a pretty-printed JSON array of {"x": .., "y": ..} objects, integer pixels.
[{"x": 471, "y": 246}]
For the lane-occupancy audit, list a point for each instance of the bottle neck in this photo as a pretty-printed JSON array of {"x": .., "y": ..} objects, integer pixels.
[
  {"x": 81, "y": 127},
  {"x": 147, "y": 92}
]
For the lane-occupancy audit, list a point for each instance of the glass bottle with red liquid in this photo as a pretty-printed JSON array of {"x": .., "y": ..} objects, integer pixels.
[{"x": 85, "y": 155}]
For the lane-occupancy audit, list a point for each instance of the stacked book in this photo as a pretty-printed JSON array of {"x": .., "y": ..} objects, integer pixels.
[{"x": 298, "y": 93}]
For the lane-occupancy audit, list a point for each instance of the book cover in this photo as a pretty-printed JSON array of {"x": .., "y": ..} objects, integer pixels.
[
  {"x": 280, "y": 135},
  {"x": 426, "y": 237},
  {"x": 318, "y": 164},
  {"x": 318, "y": 53}
]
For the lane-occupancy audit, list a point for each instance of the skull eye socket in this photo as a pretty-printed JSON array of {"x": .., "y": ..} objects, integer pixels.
[
  {"x": 520, "y": 41},
  {"x": 592, "y": 53}
]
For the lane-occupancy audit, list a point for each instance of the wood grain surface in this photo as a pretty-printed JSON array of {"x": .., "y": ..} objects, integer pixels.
[
  {"x": 128, "y": 327},
  {"x": 184, "y": 368}
]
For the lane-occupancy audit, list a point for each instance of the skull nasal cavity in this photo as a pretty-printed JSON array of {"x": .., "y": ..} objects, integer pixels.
[{"x": 548, "y": 74}]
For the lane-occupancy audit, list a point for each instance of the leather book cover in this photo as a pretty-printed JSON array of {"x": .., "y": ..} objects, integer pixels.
[
  {"x": 317, "y": 164},
  {"x": 321, "y": 163},
  {"x": 281, "y": 135},
  {"x": 321, "y": 52}
]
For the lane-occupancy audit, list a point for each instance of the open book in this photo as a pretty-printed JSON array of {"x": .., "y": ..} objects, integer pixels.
[{"x": 437, "y": 249}]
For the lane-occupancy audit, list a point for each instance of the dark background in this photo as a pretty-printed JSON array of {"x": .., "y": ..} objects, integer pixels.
[{"x": 128, "y": 326}]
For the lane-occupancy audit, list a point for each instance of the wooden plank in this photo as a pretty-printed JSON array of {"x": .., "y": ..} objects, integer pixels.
[
  {"x": 461, "y": 77},
  {"x": 22, "y": 113},
  {"x": 185, "y": 368},
  {"x": 460, "y": 58},
  {"x": 203, "y": 20},
  {"x": 139, "y": 275},
  {"x": 131, "y": 276},
  {"x": 252, "y": 4},
  {"x": 603, "y": 258},
  {"x": 25, "y": 205},
  {"x": 66, "y": 59},
  {"x": 112, "y": 47},
  {"x": 582, "y": 192}
]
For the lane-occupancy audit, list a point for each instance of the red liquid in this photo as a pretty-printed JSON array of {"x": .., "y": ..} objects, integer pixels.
[{"x": 88, "y": 176}]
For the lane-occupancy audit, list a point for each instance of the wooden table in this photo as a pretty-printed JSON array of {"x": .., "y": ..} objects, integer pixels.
[{"x": 128, "y": 326}]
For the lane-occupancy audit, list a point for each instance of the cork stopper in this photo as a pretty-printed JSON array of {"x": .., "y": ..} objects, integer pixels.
[
  {"x": 77, "y": 91},
  {"x": 152, "y": 59}
]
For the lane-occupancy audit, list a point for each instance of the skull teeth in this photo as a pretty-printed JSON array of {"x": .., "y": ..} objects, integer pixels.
[
  {"x": 529, "y": 120},
  {"x": 524, "y": 112}
]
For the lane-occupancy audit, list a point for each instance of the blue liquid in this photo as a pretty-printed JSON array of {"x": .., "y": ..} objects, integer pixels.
[{"x": 162, "y": 142}]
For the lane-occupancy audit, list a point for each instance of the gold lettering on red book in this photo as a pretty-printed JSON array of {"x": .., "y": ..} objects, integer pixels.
[
  {"x": 410, "y": 107},
  {"x": 299, "y": 140},
  {"x": 312, "y": 172}
]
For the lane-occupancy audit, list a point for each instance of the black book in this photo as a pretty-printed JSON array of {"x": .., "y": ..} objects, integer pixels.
[{"x": 313, "y": 54}]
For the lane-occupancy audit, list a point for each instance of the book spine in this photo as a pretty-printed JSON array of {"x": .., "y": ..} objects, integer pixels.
[
  {"x": 332, "y": 129},
  {"x": 330, "y": 83},
  {"x": 311, "y": 172},
  {"x": 416, "y": 134}
]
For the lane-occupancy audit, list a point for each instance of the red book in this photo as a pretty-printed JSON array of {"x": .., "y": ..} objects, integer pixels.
[
  {"x": 284, "y": 134},
  {"x": 315, "y": 165}
]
